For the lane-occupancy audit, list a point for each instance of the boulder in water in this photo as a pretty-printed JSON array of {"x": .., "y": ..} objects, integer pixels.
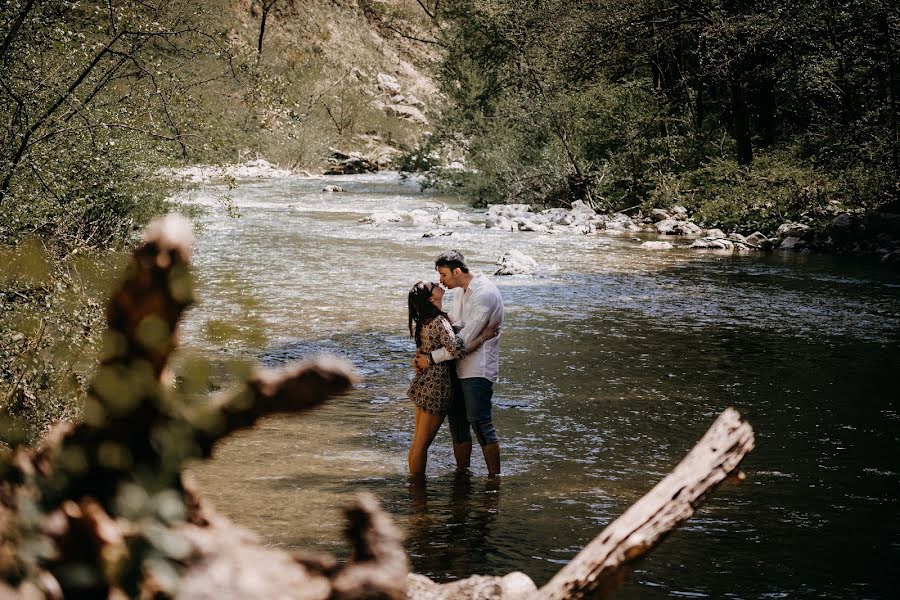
[
  {"x": 676, "y": 227},
  {"x": 713, "y": 243},
  {"x": 792, "y": 243},
  {"x": 498, "y": 222},
  {"x": 657, "y": 246},
  {"x": 789, "y": 230},
  {"x": 384, "y": 217},
  {"x": 657, "y": 215},
  {"x": 513, "y": 262}
]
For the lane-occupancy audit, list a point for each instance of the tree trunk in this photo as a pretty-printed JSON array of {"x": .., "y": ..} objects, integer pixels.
[
  {"x": 266, "y": 7},
  {"x": 740, "y": 116}
]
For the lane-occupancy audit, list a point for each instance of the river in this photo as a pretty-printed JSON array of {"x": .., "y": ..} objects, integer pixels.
[{"x": 615, "y": 360}]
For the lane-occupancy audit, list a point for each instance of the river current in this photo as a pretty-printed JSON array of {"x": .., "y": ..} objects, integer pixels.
[{"x": 615, "y": 360}]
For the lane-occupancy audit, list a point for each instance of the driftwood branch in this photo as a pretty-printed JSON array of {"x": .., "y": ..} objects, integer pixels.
[
  {"x": 378, "y": 565},
  {"x": 295, "y": 389}
]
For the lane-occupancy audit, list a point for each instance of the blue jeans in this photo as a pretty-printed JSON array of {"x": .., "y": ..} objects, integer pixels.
[{"x": 472, "y": 408}]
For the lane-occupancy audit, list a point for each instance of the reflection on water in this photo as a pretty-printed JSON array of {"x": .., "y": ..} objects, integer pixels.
[{"x": 615, "y": 361}]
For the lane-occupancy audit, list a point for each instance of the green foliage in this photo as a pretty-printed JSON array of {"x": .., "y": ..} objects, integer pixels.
[
  {"x": 51, "y": 318},
  {"x": 89, "y": 106},
  {"x": 731, "y": 197},
  {"x": 556, "y": 100}
]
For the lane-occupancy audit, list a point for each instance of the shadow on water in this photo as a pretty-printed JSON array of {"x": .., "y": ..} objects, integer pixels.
[
  {"x": 448, "y": 520},
  {"x": 450, "y": 524}
]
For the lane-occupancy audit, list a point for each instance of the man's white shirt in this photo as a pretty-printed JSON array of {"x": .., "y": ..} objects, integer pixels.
[{"x": 473, "y": 308}]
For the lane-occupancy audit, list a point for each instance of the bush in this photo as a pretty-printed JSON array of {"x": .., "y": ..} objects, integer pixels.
[
  {"x": 51, "y": 315},
  {"x": 731, "y": 197}
]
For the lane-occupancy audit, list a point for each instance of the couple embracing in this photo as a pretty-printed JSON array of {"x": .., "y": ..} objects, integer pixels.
[{"x": 457, "y": 362}]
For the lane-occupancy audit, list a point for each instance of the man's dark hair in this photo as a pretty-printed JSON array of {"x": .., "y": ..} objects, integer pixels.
[{"x": 452, "y": 259}]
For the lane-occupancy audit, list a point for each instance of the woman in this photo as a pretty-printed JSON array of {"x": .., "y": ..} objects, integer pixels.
[{"x": 431, "y": 390}]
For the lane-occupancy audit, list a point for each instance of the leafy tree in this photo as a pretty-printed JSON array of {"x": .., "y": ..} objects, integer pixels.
[
  {"x": 92, "y": 102},
  {"x": 556, "y": 100},
  {"x": 90, "y": 94}
]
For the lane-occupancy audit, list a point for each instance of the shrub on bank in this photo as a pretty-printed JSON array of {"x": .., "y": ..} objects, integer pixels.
[
  {"x": 51, "y": 315},
  {"x": 724, "y": 195}
]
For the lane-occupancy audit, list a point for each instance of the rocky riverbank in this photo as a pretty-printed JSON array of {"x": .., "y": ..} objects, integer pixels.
[{"x": 876, "y": 234}]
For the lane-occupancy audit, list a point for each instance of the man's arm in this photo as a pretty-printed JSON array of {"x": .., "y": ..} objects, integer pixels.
[{"x": 484, "y": 305}]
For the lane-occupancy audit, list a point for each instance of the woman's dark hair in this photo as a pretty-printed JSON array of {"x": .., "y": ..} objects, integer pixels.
[
  {"x": 421, "y": 310},
  {"x": 452, "y": 259}
]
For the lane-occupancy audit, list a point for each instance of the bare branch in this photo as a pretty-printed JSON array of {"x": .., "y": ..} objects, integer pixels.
[
  {"x": 428, "y": 11},
  {"x": 39, "y": 122},
  {"x": 17, "y": 24},
  {"x": 378, "y": 565}
]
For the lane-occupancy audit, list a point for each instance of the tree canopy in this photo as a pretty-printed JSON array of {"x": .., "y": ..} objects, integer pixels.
[{"x": 661, "y": 101}]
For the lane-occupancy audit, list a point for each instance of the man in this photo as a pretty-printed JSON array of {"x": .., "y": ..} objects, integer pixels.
[{"x": 477, "y": 304}]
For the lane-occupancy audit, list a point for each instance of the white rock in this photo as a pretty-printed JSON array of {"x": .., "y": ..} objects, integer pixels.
[
  {"x": 509, "y": 211},
  {"x": 498, "y": 222},
  {"x": 667, "y": 227},
  {"x": 715, "y": 233},
  {"x": 333, "y": 188},
  {"x": 446, "y": 217},
  {"x": 621, "y": 222},
  {"x": 387, "y": 83},
  {"x": 657, "y": 245},
  {"x": 679, "y": 212},
  {"x": 621, "y": 226},
  {"x": 529, "y": 225},
  {"x": 712, "y": 243},
  {"x": 410, "y": 113},
  {"x": 513, "y": 262},
  {"x": 558, "y": 216},
  {"x": 384, "y": 217},
  {"x": 255, "y": 169},
  {"x": 420, "y": 218},
  {"x": 674, "y": 227},
  {"x": 581, "y": 207}
]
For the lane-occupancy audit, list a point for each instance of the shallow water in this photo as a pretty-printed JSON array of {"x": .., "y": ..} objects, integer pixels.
[{"x": 615, "y": 360}]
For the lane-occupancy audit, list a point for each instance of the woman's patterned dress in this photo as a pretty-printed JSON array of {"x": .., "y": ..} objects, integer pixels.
[{"x": 432, "y": 389}]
